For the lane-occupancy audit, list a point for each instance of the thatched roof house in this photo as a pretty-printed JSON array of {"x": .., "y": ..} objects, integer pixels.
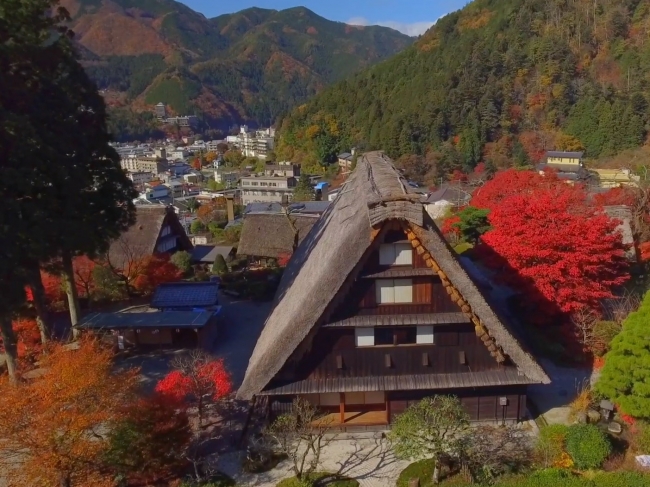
[
  {"x": 315, "y": 343},
  {"x": 156, "y": 230},
  {"x": 271, "y": 231}
]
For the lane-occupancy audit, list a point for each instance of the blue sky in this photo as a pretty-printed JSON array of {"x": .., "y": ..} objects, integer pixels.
[{"x": 411, "y": 17}]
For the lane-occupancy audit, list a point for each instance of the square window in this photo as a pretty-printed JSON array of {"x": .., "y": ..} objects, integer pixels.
[
  {"x": 403, "y": 290},
  {"x": 425, "y": 334},
  {"x": 364, "y": 337},
  {"x": 396, "y": 254},
  {"x": 383, "y": 336},
  {"x": 390, "y": 291}
]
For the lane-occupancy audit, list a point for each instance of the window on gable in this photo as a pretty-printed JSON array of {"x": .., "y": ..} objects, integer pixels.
[
  {"x": 396, "y": 254},
  {"x": 391, "y": 291}
]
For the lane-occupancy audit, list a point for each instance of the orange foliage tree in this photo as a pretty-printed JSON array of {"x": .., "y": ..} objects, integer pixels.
[
  {"x": 28, "y": 337},
  {"x": 53, "y": 426},
  {"x": 196, "y": 376}
]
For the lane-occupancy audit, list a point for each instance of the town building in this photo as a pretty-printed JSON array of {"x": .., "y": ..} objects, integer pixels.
[
  {"x": 140, "y": 178},
  {"x": 284, "y": 169},
  {"x": 562, "y": 158},
  {"x": 375, "y": 311},
  {"x": 267, "y": 189},
  {"x": 183, "y": 121},
  {"x": 439, "y": 202},
  {"x": 346, "y": 159},
  {"x": 226, "y": 176},
  {"x": 614, "y": 178},
  {"x": 256, "y": 143},
  {"x": 150, "y": 164},
  {"x": 161, "y": 111}
]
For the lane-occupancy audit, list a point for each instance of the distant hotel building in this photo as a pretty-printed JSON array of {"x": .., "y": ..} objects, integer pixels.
[
  {"x": 182, "y": 121},
  {"x": 278, "y": 180}
]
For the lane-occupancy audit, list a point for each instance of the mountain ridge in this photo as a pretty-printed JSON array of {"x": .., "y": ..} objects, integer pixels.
[
  {"x": 497, "y": 82},
  {"x": 247, "y": 66}
]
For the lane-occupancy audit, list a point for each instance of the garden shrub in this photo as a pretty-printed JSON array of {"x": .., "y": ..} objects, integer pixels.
[
  {"x": 587, "y": 445},
  {"x": 550, "y": 448},
  {"x": 219, "y": 266},
  {"x": 320, "y": 479}
]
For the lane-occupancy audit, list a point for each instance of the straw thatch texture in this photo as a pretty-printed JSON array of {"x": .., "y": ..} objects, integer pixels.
[
  {"x": 140, "y": 239},
  {"x": 329, "y": 257},
  {"x": 270, "y": 235}
]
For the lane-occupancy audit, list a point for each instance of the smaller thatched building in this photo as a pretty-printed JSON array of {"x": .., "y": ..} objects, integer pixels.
[{"x": 270, "y": 231}]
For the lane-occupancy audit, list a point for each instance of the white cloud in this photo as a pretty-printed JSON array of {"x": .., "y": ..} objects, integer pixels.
[{"x": 412, "y": 29}]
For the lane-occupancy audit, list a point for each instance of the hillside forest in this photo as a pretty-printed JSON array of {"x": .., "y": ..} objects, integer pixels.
[
  {"x": 249, "y": 66},
  {"x": 499, "y": 82}
]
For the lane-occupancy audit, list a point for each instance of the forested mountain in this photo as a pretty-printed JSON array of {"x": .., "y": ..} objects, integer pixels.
[
  {"x": 499, "y": 81},
  {"x": 247, "y": 66}
]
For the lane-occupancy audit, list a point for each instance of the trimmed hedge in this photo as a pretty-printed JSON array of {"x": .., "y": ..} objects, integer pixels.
[{"x": 588, "y": 446}]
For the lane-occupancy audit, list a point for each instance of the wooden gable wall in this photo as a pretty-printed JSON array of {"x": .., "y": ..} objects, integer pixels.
[{"x": 333, "y": 352}]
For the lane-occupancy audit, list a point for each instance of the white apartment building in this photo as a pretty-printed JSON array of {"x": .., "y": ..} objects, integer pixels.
[
  {"x": 266, "y": 189},
  {"x": 253, "y": 144},
  {"x": 227, "y": 177},
  {"x": 140, "y": 178}
]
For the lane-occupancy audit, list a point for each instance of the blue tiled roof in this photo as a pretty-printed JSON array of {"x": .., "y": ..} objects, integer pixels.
[{"x": 186, "y": 295}]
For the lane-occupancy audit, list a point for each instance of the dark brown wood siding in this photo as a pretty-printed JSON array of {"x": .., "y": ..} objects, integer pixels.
[
  {"x": 334, "y": 354},
  {"x": 429, "y": 296},
  {"x": 481, "y": 404}
]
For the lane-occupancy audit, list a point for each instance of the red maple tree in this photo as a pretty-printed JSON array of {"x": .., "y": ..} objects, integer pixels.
[
  {"x": 83, "y": 275},
  {"x": 28, "y": 337},
  {"x": 196, "y": 377},
  {"x": 514, "y": 182},
  {"x": 615, "y": 196},
  {"x": 554, "y": 250},
  {"x": 449, "y": 226},
  {"x": 151, "y": 271}
]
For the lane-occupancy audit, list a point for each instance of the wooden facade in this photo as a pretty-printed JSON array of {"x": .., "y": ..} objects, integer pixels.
[{"x": 452, "y": 347}]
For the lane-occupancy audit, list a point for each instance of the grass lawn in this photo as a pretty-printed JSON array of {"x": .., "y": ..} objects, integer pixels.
[
  {"x": 463, "y": 247},
  {"x": 321, "y": 479}
]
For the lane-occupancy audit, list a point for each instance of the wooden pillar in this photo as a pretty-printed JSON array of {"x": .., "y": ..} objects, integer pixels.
[
  {"x": 342, "y": 407},
  {"x": 387, "y": 407}
]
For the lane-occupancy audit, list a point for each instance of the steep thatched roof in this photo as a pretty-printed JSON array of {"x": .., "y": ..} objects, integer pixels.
[
  {"x": 140, "y": 239},
  {"x": 271, "y": 235},
  {"x": 330, "y": 255}
]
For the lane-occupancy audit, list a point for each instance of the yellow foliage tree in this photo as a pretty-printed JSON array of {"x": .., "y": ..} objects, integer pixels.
[
  {"x": 312, "y": 131},
  {"x": 54, "y": 426},
  {"x": 210, "y": 157},
  {"x": 568, "y": 143}
]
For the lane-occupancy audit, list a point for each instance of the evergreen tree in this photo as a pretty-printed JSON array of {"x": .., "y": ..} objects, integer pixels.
[
  {"x": 627, "y": 365},
  {"x": 304, "y": 190}
]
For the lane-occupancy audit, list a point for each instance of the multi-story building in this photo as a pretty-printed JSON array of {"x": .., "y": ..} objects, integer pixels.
[
  {"x": 140, "y": 178},
  {"x": 153, "y": 165},
  {"x": 161, "y": 111},
  {"x": 183, "y": 121},
  {"x": 284, "y": 169},
  {"x": 267, "y": 189},
  {"x": 253, "y": 143},
  {"x": 228, "y": 177}
]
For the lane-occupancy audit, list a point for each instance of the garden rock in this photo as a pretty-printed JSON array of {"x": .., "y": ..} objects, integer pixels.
[
  {"x": 593, "y": 416},
  {"x": 615, "y": 428}
]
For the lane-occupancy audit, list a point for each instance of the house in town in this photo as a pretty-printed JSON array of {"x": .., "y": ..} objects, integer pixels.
[
  {"x": 442, "y": 200},
  {"x": 563, "y": 158},
  {"x": 375, "y": 311},
  {"x": 157, "y": 230}
]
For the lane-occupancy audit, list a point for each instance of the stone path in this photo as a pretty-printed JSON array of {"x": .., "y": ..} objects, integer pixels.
[{"x": 368, "y": 460}]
